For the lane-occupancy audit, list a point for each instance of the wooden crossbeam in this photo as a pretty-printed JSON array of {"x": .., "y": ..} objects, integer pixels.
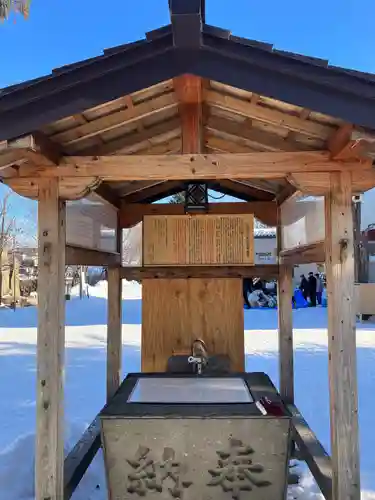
[
  {"x": 194, "y": 166},
  {"x": 267, "y": 271},
  {"x": 131, "y": 213},
  {"x": 263, "y": 114}
]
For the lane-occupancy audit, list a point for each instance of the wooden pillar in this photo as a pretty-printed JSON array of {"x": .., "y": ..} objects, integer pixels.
[
  {"x": 342, "y": 338},
  {"x": 285, "y": 316},
  {"x": 285, "y": 319},
  {"x": 114, "y": 331},
  {"x": 49, "y": 455}
]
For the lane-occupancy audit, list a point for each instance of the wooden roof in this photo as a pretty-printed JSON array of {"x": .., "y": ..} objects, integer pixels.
[{"x": 253, "y": 98}]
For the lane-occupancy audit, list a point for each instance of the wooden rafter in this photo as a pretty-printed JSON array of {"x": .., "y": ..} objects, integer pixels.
[
  {"x": 240, "y": 190},
  {"x": 267, "y": 115},
  {"x": 225, "y": 145},
  {"x": 252, "y": 137},
  {"x": 155, "y": 192},
  {"x": 116, "y": 119},
  {"x": 137, "y": 141},
  {"x": 132, "y": 213}
]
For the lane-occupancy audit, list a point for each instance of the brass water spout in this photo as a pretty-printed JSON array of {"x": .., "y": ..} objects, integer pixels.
[{"x": 199, "y": 355}]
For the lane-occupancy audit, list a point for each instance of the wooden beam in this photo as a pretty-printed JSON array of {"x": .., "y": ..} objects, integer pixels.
[
  {"x": 114, "y": 331},
  {"x": 131, "y": 214},
  {"x": 304, "y": 254},
  {"x": 114, "y": 120},
  {"x": 195, "y": 166},
  {"x": 135, "y": 142},
  {"x": 224, "y": 144},
  {"x": 312, "y": 452},
  {"x": 77, "y": 256},
  {"x": 251, "y": 136},
  {"x": 285, "y": 319},
  {"x": 80, "y": 457},
  {"x": 49, "y": 456},
  {"x": 178, "y": 272},
  {"x": 342, "y": 338},
  {"x": 266, "y": 115}
]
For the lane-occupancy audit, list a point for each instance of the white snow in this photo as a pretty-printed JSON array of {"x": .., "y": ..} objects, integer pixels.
[
  {"x": 85, "y": 383},
  {"x": 131, "y": 290}
]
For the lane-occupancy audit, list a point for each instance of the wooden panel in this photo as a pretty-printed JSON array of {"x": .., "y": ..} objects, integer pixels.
[
  {"x": 198, "y": 240},
  {"x": 49, "y": 461},
  {"x": 176, "y": 312}
]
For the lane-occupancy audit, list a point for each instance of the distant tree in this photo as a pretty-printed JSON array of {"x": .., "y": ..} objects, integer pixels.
[
  {"x": 17, "y": 6},
  {"x": 9, "y": 233},
  {"x": 178, "y": 198}
]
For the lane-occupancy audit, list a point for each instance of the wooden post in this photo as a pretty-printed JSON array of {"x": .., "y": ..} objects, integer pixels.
[
  {"x": 49, "y": 459},
  {"x": 342, "y": 338},
  {"x": 114, "y": 333},
  {"x": 285, "y": 317}
]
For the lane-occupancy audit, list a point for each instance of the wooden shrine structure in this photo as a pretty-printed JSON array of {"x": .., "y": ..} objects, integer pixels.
[{"x": 192, "y": 104}]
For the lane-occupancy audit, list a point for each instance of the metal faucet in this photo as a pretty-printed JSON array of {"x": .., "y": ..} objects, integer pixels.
[{"x": 199, "y": 356}]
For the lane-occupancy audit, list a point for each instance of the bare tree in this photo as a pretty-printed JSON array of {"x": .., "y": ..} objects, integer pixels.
[
  {"x": 17, "y": 6},
  {"x": 9, "y": 233}
]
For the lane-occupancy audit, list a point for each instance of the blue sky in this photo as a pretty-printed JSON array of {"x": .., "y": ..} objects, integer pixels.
[{"x": 59, "y": 32}]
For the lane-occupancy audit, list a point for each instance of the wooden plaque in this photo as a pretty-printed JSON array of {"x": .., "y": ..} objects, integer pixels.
[{"x": 198, "y": 240}]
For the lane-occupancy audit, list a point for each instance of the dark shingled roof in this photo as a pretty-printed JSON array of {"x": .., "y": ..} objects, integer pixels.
[{"x": 188, "y": 45}]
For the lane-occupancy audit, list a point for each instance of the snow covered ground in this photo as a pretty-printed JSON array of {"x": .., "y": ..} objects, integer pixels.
[{"x": 85, "y": 383}]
